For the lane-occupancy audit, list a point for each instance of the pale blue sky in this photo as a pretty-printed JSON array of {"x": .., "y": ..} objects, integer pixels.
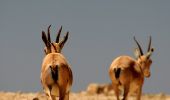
[{"x": 100, "y": 30}]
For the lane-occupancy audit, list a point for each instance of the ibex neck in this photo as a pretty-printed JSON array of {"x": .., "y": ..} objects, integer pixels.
[{"x": 139, "y": 68}]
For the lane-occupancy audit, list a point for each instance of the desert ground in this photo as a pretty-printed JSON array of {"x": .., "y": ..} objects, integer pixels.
[
  {"x": 75, "y": 96},
  {"x": 93, "y": 92}
]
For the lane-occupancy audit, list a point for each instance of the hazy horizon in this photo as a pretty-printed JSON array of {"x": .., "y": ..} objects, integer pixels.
[{"x": 99, "y": 32}]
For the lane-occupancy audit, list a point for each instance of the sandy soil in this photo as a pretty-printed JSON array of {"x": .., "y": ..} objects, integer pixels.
[
  {"x": 94, "y": 91},
  {"x": 75, "y": 96}
]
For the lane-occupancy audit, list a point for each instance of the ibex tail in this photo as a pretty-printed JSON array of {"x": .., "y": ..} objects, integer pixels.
[{"x": 117, "y": 72}]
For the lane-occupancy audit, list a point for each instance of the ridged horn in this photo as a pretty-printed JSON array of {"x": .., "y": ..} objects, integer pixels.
[
  {"x": 58, "y": 35},
  {"x": 139, "y": 47},
  {"x": 149, "y": 45},
  {"x": 49, "y": 38}
]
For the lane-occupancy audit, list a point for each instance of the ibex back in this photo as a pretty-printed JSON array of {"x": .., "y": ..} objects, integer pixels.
[
  {"x": 56, "y": 75},
  {"x": 129, "y": 73}
]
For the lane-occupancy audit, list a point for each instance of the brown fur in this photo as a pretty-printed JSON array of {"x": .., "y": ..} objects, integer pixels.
[
  {"x": 132, "y": 73},
  {"x": 53, "y": 58}
]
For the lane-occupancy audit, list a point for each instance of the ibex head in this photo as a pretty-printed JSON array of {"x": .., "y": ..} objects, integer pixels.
[
  {"x": 53, "y": 47},
  {"x": 144, "y": 59}
]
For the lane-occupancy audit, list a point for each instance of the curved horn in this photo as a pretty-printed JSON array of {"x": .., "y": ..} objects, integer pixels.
[
  {"x": 139, "y": 47},
  {"x": 44, "y": 38},
  {"x": 149, "y": 45},
  {"x": 49, "y": 38},
  {"x": 64, "y": 40},
  {"x": 58, "y": 35},
  {"x": 46, "y": 42}
]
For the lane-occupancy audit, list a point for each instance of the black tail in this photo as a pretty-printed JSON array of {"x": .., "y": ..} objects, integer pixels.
[
  {"x": 117, "y": 72},
  {"x": 54, "y": 72}
]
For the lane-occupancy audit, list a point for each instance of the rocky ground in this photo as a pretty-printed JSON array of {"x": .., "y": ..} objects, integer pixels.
[{"x": 93, "y": 92}]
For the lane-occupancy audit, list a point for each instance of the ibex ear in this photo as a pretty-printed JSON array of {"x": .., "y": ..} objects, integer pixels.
[
  {"x": 137, "y": 53},
  {"x": 45, "y": 51},
  {"x": 150, "y": 53},
  {"x": 64, "y": 40}
]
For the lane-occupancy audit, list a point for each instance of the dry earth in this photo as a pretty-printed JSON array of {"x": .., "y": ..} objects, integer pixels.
[
  {"x": 93, "y": 92},
  {"x": 75, "y": 96}
]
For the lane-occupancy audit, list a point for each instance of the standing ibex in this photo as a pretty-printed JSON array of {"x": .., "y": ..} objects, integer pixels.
[
  {"x": 129, "y": 73},
  {"x": 56, "y": 75}
]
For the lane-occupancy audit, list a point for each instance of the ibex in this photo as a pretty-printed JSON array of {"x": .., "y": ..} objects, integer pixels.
[
  {"x": 129, "y": 73},
  {"x": 56, "y": 75}
]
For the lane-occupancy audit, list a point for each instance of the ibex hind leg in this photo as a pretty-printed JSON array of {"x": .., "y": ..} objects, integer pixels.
[
  {"x": 47, "y": 91},
  {"x": 139, "y": 94},
  {"x": 126, "y": 91},
  {"x": 63, "y": 95},
  {"x": 66, "y": 97},
  {"x": 52, "y": 97},
  {"x": 116, "y": 90}
]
